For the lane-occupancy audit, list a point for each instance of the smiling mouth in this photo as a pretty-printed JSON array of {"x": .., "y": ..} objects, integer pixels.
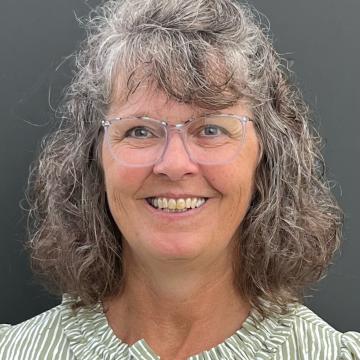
[{"x": 176, "y": 205}]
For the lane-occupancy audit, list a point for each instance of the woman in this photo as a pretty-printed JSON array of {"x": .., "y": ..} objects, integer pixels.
[{"x": 181, "y": 206}]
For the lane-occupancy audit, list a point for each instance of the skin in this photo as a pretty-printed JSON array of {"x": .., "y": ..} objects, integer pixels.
[{"x": 178, "y": 267}]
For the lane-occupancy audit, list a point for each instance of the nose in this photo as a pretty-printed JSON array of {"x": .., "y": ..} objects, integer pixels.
[{"x": 175, "y": 162}]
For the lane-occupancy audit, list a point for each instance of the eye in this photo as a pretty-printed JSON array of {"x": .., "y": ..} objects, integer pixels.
[
  {"x": 139, "y": 132},
  {"x": 211, "y": 130}
]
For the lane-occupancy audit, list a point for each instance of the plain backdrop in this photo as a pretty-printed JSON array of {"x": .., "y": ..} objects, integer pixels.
[{"x": 321, "y": 40}]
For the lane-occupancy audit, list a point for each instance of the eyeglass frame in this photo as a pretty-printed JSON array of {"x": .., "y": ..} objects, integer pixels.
[{"x": 179, "y": 127}]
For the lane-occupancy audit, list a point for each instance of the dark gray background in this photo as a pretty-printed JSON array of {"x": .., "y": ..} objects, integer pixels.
[{"x": 322, "y": 39}]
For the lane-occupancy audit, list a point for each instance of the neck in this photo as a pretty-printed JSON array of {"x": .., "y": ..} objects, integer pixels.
[{"x": 173, "y": 305}]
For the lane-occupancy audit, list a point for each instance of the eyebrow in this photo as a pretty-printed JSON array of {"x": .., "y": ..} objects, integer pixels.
[
  {"x": 212, "y": 112},
  {"x": 138, "y": 115},
  {"x": 144, "y": 114}
]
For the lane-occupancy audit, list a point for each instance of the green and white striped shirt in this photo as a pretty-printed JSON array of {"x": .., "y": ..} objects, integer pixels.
[{"x": 84, "y": 334}]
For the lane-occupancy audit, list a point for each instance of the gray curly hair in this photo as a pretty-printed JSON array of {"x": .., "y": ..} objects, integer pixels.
[{"x": 209, "y": 53}]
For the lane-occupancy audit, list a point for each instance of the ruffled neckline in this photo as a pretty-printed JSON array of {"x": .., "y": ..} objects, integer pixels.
[{"x": 91, "y": 337}]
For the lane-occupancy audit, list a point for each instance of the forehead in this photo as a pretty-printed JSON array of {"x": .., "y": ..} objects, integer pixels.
[
  {"x": 156, "y": 104},
  {"x": 147, "y": 101}
]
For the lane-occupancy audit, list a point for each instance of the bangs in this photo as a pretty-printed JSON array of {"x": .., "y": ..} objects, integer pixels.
[{"x": 183, "y": 66}]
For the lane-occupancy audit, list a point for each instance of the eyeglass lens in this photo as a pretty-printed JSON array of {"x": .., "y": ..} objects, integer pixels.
[{"x": 142, "y": 141}]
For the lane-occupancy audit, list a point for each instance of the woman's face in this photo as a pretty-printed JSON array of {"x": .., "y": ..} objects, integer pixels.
[{"x": 204, "y": 233}]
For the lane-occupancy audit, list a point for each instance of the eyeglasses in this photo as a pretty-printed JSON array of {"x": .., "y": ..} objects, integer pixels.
[{"x": 142, "y": 141}]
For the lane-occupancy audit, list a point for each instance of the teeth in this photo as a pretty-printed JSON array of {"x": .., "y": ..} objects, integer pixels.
[
  {"x": 199, "y": 202},
  {"x": 171, "y": 204},
  {"x": 188, "y": 203},
  {"x": 178, "y": 205},
  {"x": 193, "y": 203},
  {"x": 181, "y": 204},
  {"x": 164, "y": 203}
]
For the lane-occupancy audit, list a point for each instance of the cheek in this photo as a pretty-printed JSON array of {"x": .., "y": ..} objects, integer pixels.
[
  {"x": 121, "y": 184},
  {"x": 235, "y": 184},
  {"x": 121, "y": 188},
  {"x": 121, "y": 178},
  {"x": 231, "y": 180},
  {"x": 237, "y": 178}
]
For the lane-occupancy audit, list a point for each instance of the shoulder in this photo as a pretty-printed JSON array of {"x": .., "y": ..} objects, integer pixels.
[
  {"x": 40, "y": 337},
  {"x": 320, "y": 340}
]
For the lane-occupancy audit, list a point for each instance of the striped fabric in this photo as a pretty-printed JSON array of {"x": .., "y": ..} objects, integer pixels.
[{"x": 62, "y": 334}]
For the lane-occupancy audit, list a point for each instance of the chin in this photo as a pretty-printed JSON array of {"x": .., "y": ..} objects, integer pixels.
[{"x": 174, "y": 247}]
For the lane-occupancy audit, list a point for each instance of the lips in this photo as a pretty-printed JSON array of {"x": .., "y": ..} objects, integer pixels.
[{"x": 176, "y": 204}]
